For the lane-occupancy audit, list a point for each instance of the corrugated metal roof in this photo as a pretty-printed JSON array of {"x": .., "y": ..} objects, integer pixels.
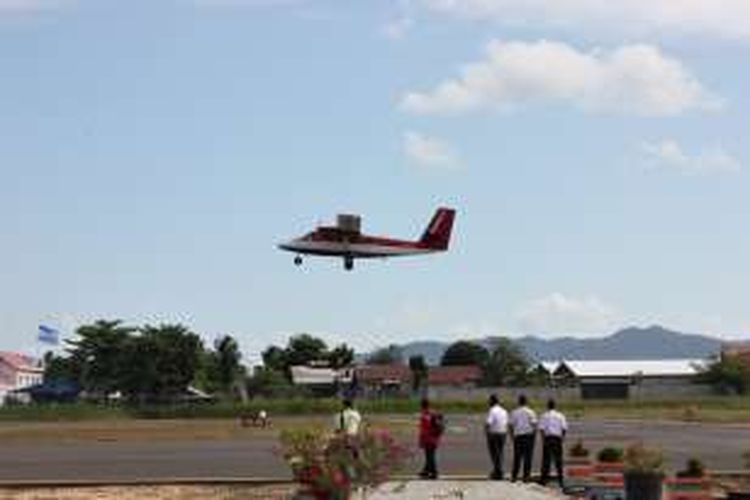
[
  {"x": 308, "y": 375},
  {"x": 550, "y": 366},
  {"x": 632, "y": 368}
]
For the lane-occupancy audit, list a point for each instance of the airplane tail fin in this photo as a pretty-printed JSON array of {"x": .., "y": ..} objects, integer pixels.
[{"x": 438, "y": 232}]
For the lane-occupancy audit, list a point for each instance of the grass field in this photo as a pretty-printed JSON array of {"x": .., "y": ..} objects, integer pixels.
[{"x": 703, "y": 409}]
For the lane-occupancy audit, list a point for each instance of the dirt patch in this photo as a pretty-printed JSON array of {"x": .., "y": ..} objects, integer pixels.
[{"x": 275, "y": 492}]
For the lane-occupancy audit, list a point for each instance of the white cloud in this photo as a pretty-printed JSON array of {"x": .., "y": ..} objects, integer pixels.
[
  {"x": 397, "y": 28},
  {"x": 669, "y": 155},
  {"x": 559, "y": 314},
  {"x": 429, "y": 151},
  {"x": 401, "y": 23},
  {"x": 632, "y": 79},
  {"x": 717, "y": 18}
]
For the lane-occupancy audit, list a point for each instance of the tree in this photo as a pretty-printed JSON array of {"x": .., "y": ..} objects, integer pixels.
[
  {"x": 341, "y": 356},
  {"x": 303, "y": 350},
  {"x": 728, "y": 374},
  {"x": 465, "y": 353},
  {"x": 97, "y": 355},
  {"x": 274, "y": 358},
  {"x": 59, "y": 368},
  {"x": 228, "y": 367},
  {"x": 418, "y": 368},
  {"x": 176, "y": 352},
  {"x": 507, "y": 364},
  {"x": 386, "y": 356}
]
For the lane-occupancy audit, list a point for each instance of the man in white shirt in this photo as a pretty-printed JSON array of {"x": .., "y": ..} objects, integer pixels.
[
  {"x": 348, "y": 420},
  {"x": 553, "y": 427},
  {"x": 523, "y": 425},
  {"x": 496, "y": 428}
]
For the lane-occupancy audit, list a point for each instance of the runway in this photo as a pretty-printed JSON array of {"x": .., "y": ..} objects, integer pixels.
[{"x": 462, "y": 452}]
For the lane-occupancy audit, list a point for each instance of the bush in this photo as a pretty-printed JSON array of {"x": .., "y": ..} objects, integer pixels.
[
  {"x": 330, "y": 466},
  {"x": 693, "y": 468},
  {"x": 578, "y": 450},
  {"x": 610, "y": 454},
  {"x": 640, "y": 458}
]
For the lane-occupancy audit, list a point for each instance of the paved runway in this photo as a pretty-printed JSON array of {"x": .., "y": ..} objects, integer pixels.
[{"x": 463, "y": 452}]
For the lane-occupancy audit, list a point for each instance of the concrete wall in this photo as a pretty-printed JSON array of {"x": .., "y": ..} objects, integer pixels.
[
  {"x": 647, "y": 389},
  {"x": 505, "y": 393}
]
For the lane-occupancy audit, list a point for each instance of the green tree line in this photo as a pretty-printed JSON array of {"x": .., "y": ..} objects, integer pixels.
[{"x": 146, "y": 363}]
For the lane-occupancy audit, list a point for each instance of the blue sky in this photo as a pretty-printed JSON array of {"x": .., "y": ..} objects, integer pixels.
[{"x": 153, "y": 152}]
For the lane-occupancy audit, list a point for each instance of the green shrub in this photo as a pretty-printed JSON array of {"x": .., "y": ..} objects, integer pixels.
[
  {"x": 610, "y": 454},
  {"x": 578, "y": 450},
  {"x": 693, "y": 468},
  {"x": 640, "y": 458}
]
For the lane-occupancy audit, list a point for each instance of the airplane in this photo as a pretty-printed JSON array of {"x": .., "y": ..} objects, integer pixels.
[{"x": 347, "y": 241}]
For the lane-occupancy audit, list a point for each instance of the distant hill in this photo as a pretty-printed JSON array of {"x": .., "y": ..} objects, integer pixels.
[{"x": 654, "y": 342}]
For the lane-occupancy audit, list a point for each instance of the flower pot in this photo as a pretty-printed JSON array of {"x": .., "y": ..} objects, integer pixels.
[
  {"x": 643, "y": 485},
  {"x": 578, "y": 461}
]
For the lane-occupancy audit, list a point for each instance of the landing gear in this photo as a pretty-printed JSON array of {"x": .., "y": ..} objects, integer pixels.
[
  {"x": 298, "y": 260},
  {"x": 348, "y": 263}
]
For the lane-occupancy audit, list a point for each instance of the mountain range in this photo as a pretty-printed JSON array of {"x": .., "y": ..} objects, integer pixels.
[{"x": 654, "y": 342}]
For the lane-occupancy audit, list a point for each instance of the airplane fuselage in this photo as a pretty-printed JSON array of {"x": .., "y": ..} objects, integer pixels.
[
  {"x": 345, "y": 240},
  {"x": 333, "y": 242}
]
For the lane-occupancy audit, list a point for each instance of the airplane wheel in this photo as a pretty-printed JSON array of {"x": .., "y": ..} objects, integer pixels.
[
  {"x": 298, "y": 261},
  {"x": 348, "y": 263}
]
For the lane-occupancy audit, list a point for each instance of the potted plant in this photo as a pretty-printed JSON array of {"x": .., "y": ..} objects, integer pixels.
[
  {"x": 578, "y": 454},
  {"x": 693, "y": 469},
  {"x": 609, "y": 459},
  {"x": 644, "y": 472}
]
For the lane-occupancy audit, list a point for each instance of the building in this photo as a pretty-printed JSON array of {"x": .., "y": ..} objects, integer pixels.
[
  {"x": 18, "y": 371},
  {"x": 613, "y": 379},
  {"x": 383, "y": 380},
  {"x": 465, "y": 377},
  {"x": 321, "y": 380}
]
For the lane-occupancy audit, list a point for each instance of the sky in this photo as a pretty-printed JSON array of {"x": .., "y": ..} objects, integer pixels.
[{"x": 153, "y": 153}]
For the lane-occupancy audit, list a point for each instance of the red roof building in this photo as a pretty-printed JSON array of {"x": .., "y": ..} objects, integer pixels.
[
  {"x": 456, "y": 376},
  {"x": 18, "y": 371}
]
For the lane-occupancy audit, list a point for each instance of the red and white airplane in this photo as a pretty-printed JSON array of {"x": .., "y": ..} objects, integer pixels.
[{"x": 345, "y": 240}]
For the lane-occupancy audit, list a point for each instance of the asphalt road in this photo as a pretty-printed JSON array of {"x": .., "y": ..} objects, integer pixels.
[{"x": 463, "y": 452}]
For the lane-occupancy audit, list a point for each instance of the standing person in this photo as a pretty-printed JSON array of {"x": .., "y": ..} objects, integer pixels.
[
  {"x": 430, "y": 430},
  {"x": 523, "y": 425},
  {"x": 348, "y": 420},
  {"x": 496, "y": 428},
  {"x": 553, "y": 426}
]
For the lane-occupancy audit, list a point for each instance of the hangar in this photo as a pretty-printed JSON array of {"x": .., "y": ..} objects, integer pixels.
[{"x": 619, "y": 379}]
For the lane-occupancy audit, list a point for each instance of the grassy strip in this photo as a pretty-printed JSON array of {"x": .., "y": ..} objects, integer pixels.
[{"x": 714, "y": 408}]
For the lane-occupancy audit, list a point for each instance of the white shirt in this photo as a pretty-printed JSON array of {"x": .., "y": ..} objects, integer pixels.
[
  {"x": 348, "y": 421},
  {"x": 553, "y": 423},
  {"x": 497, "y": 420},
  {"x": 523, "y": 421}
]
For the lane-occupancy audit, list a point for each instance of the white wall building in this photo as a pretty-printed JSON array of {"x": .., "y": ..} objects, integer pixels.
[{"x": 18, "y": 371}]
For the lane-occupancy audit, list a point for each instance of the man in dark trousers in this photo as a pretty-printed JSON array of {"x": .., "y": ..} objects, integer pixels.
[
  {"x": 553, "y": 426},
  {"x": 496, "y": 428},
  {"x": 523, "y": 425},
  {"x": 430, "y": 429}
]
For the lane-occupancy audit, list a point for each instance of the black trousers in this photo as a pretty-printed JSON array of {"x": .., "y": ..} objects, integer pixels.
[
  {"x": 430, "y": 464},
  {"x": 552, "y": 451},
  {"x": 496, "y": 445},
  {"x": 523, "y": 452}
]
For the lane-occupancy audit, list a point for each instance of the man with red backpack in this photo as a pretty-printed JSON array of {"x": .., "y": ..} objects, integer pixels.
[{"x": 431, "y": 427}]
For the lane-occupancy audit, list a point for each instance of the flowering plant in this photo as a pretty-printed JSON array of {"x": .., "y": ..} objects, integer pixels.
[{"x": 330, "y": 466}]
